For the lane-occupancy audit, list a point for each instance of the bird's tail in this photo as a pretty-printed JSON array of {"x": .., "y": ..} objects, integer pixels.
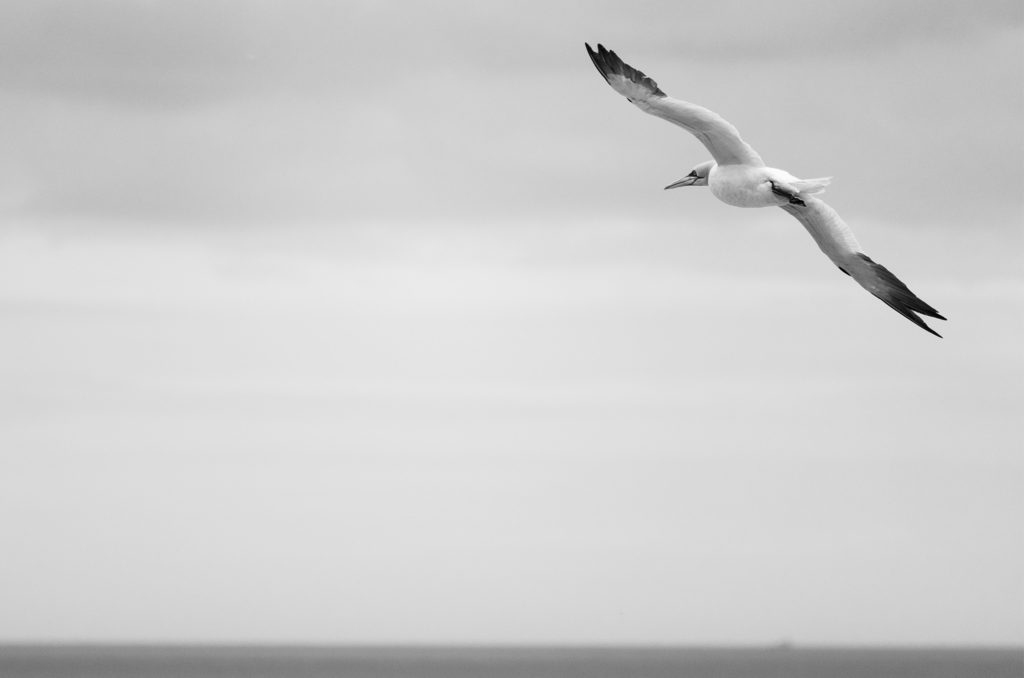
[{"x": 811, "y": 186}]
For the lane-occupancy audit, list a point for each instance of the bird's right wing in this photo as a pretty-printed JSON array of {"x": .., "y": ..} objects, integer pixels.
[
  {"x": 720, "y": 137},
  {"x": 836, "y": 240}
]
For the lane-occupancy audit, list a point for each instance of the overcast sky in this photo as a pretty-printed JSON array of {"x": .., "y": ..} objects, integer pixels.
[{"x": 371, "y": 322}]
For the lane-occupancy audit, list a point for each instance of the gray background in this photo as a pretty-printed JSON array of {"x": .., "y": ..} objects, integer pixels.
[{"x": 370, "y": 322}]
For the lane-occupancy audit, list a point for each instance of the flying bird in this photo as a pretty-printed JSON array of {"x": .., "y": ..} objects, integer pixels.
[{"x": 738, "y": 176}]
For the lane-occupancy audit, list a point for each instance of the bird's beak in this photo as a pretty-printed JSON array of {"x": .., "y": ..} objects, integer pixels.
[{"x": 685, "y": 181}]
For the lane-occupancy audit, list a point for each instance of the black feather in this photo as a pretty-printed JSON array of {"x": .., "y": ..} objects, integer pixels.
[
  {"x": 608, "y": 63},
  {"x": 793, "y": 198},
  {"x": 901, "y": 292},
  {"x": 899, "y": 297}
]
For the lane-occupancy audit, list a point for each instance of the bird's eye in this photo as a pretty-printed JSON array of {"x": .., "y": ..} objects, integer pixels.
[{"x": 692, "y": 173}]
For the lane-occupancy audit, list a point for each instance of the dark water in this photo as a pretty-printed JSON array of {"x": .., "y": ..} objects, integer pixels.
[{"x": 348, "y": 662}]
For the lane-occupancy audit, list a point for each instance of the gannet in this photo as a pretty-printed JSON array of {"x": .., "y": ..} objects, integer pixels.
[{"x": 738, "y": 176}]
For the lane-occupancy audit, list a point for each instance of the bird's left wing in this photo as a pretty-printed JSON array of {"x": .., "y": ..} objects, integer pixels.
[
  {"x": 836, "y": 240},
  {"x": 714, "y": 131}
]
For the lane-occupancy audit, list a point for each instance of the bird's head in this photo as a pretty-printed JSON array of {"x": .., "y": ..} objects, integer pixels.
[{"x": 698, "y": 176}]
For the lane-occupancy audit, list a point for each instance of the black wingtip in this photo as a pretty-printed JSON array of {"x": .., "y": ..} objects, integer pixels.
[
  {"x": 911, "y": 316},
  {"x": 597, "y": 60},
  {"x": 608, "y": 63},
  {"x": 899, "y": 298}
]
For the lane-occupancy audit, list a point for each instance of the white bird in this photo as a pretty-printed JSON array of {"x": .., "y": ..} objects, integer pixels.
[{"x": 739, "y": 177}]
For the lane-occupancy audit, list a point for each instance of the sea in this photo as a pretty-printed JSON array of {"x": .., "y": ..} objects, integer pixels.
[{"x": 158, "y": 661}]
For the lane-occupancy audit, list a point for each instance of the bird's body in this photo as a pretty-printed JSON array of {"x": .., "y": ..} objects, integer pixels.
[
  {"x": 739, "y": 177},
  {"x": 752, "y": 186},
  {"x": 742, "y": 186}
]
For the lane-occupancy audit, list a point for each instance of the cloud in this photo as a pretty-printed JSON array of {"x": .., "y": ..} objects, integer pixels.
[
  {"x": 163, "y": 53},
  {"x": 261, "y": 113},
  {"x": 405, "y": 275}
]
